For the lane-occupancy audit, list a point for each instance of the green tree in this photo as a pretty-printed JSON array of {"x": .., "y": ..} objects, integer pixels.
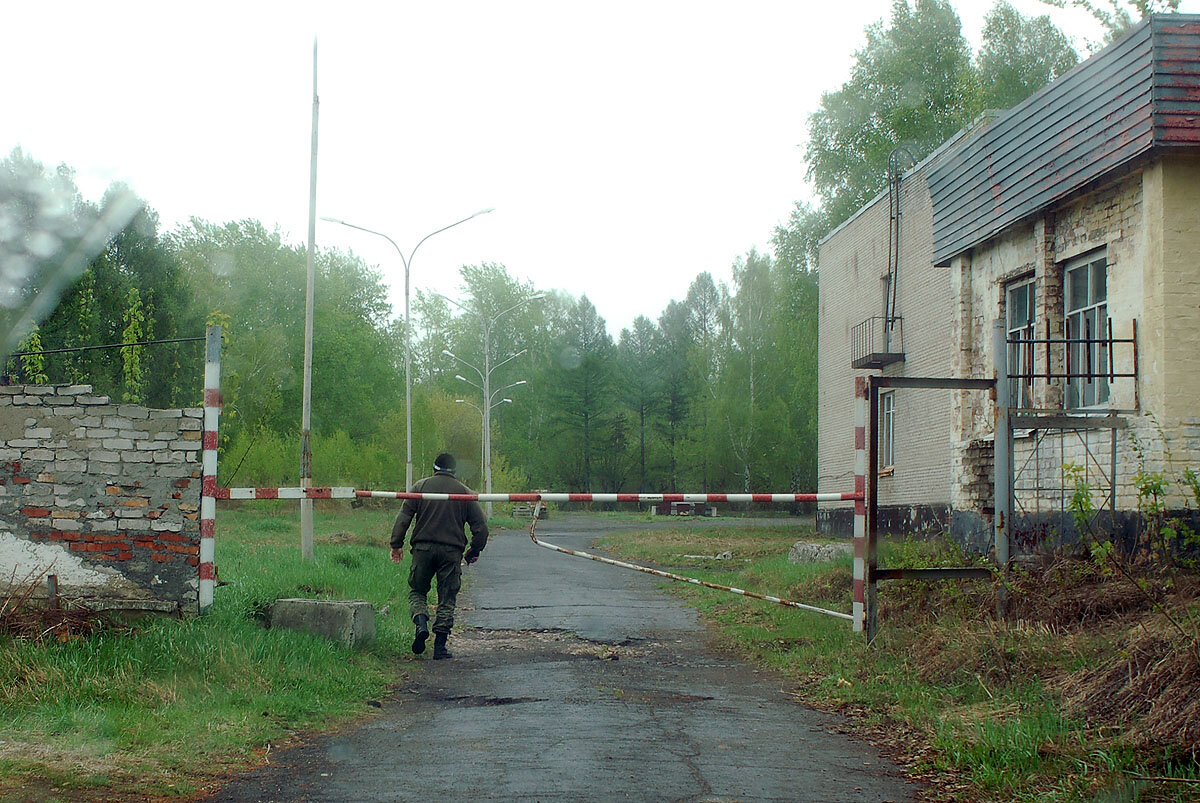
[
  {"x": 133, "y": 370},
  {"x": 640, "y": 348},
  {"x": 1019, "y": 55},
  {"x": 675, "y": 326},
  {"x": 1118, "y": 16},
  {"x": 33, "y": 364},
  {"x": 910, "y": 85},
  {"x": 583, "y": 393}
]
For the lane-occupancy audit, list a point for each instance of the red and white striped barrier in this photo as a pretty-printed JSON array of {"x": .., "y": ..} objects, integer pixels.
[
  {"x": 208, "y": 465},
  {"x": 860, "y": 504},
  {"x": 352, "y": 493},
  {"x": 558, "y": 497},
  {"x": 671, "y": 576},
  {"x": 540, "y": 498}
]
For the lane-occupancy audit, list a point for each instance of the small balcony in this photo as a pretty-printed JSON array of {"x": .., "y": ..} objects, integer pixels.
[{"x": 877, "y": 342}]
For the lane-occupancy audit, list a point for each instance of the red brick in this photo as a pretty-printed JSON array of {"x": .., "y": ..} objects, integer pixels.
[
  {"x": 36, "y": 512},
  {"x": 182, "y": 483},
  {"x": 153, "y": 514},
  {"x": 113, "y": 490},
  {"x": 193, "y": 561},
  {"x": 180, "y": 549},
  {"x": 162, "y": 557},
  {"x": 75, "y": 546},
  {"x": 177, "y": 495},
  {"x": 136, "y": 501},
  {"x": 183, "y": 539},
  {"x": 124, "y": 555},
  {"x": 20, "y": 480}
]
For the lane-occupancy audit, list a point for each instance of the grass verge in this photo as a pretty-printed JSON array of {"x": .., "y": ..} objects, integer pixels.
[
  {"x": 985, "y": 710},
  {"x": 155, "y": 707}
]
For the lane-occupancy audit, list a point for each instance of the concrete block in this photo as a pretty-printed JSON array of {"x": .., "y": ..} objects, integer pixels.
[
  {"x": 806, "y": 552},
  {"x": 347, "y": 622}
]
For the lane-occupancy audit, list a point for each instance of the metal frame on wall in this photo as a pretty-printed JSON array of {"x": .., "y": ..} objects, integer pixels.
[{"x": 867, "y": 389}]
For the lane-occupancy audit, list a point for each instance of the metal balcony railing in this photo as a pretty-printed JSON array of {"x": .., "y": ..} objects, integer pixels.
[{"x": 876, "y": 342}]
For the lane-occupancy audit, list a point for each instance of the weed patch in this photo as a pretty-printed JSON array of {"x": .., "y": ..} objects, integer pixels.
[
  {"x": 139, "y": 707},
  {"x": 1085, "y": 692}
]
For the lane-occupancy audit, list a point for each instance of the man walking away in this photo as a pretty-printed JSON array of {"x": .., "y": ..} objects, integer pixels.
[{"x": 438, "y": 541}]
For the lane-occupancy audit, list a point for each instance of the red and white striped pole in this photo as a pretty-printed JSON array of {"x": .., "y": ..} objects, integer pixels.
[
  {"x": 208, "y": 465},
  {"x": 568, "y": 497},
  {"x": 860, "y": 503}
]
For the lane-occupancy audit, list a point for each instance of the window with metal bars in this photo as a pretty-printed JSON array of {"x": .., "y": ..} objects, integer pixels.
[
  {"x": 1021, "y": 312},
  {"x": 1085, "y": 294}
]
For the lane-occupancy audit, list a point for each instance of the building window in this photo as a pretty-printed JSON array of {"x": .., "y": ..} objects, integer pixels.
[
  {"x": 887, "y": 429},
  {"x": 1021, "y": 308},
  {"x": 1086, "y": 293}
]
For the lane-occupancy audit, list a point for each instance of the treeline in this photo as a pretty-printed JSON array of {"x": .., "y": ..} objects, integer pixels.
[{"x": 717, "y": 392}]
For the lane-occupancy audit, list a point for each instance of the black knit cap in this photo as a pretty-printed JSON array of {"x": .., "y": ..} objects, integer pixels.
[{"x": 445, "y": 462}]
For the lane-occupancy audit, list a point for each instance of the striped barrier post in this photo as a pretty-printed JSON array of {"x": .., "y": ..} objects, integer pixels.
[
  {"x": 860, "y": 505},
  {"x": 208, "y": 465}
]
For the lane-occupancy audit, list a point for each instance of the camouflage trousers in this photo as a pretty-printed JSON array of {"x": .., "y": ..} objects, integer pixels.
[{"x": 445, "y": 563}]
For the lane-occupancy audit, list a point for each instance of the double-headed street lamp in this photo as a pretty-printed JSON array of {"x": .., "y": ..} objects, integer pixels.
[
  {"x": 489, "y": 404},
  {"x": 407, "y": 260},
  {"x": 485, "y": 377}
]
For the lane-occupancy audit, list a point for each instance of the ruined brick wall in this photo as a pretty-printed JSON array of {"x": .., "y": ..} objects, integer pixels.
[
  {"x": 1141, "y": 222},
  {"x": 105, "y": 496}
]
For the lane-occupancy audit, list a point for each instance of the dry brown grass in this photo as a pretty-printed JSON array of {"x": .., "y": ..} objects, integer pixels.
[{"x": 1152, "y": 686}]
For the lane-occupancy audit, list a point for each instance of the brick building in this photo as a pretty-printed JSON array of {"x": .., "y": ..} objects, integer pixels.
[{"x": 1073, "y": 219}]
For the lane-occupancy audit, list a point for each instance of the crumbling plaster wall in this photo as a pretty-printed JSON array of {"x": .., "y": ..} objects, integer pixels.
[
  {"x": 1148, "y": 223},
  {"x": 105, "y": 496}
]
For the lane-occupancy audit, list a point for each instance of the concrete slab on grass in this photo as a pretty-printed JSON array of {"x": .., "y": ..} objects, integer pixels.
[{"x": 348, "y": 622}]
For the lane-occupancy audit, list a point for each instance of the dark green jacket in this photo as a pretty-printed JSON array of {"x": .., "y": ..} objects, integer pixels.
[{"x": 440, "y": 522}]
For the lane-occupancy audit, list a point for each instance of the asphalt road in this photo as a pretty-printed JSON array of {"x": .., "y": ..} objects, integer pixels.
[{"x": 574, "y": 680}]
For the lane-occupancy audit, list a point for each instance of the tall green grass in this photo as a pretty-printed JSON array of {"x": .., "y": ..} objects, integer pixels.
[
  {"x": 155, "y": 704},
  {"x": 969, "y": 693}
]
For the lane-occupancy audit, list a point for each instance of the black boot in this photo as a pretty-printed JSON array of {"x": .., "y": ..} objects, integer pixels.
[
  {"x": 439, "y": 646},
  {"x": 422, "y": 623}
]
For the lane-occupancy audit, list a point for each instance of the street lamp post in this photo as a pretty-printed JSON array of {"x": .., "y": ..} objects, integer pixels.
[
  {"x": 407, "y": 260},
  {"x": 485, "y": 377}
]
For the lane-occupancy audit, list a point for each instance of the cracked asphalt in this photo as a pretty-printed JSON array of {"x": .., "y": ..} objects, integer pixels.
[{"x": 574, "y": 680}]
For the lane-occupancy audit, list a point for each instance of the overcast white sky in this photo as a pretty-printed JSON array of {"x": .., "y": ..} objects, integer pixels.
[{"x": 625, "y": 146}]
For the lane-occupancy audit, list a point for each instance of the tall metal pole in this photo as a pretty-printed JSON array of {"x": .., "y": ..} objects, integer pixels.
[
  {"x": 487, "y": 410},
  {"x": 1002, "y": 452},
  {"x": 306, "y": 510},
  {"x": 408, "y": 464},
  {"x": 407, "y": 260}
]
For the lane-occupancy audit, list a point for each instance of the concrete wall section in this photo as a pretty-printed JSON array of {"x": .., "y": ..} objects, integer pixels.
[{"x": 104, "y": 496}]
